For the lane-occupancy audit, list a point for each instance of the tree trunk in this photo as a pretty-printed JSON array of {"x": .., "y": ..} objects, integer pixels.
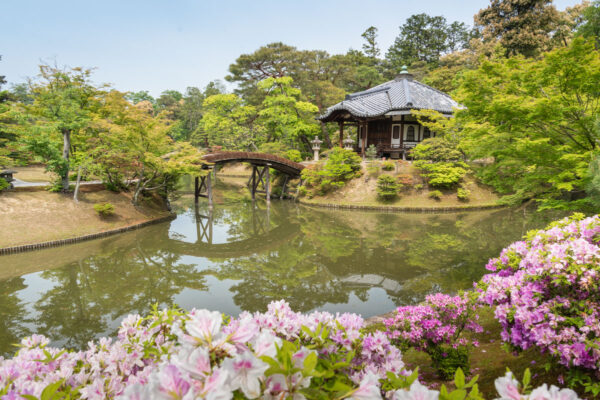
[
  {"x": 65, "y": 154},
  {"x": 306, "y": 142},
  {"x": 326, "y": 137},
  {"x": 77, "y": 184}
]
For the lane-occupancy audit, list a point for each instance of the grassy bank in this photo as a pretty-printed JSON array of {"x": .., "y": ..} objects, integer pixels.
[
  {"x": 415, "y": 195},
  {"x": 34, "y": 217}
]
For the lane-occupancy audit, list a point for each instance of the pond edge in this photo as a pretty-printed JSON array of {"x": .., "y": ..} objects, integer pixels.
[
  {"x": 91, "y": 236},
  {"x": 403, "y": 209}
]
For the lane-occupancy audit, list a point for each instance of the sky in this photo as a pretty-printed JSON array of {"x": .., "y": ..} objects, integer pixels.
[{"x": 172, "y": 44}]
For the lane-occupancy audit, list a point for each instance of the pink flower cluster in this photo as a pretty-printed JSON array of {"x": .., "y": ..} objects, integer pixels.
[
  {"x": 547, "y": 291},
  {"x": 439, "y": 320},
  {"x": 199, "y": 355}
]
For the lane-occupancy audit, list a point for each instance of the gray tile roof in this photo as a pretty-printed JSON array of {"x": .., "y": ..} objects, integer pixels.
[{"x": 402, "y": 93}]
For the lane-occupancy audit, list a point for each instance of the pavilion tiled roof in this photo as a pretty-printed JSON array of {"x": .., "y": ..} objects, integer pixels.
[{"x": 401, "y": 94}]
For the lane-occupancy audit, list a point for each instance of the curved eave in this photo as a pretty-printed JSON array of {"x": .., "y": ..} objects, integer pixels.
[{"x": 331, "y": 115}]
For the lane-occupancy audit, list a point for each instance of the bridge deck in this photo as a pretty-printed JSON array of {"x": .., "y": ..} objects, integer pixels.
[{"x": 276, "y": 162}]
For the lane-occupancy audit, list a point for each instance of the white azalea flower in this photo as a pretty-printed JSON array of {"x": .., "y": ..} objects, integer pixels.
[
  {"x": 245, "y": 371},
  {"x": 417, "y": 391}
]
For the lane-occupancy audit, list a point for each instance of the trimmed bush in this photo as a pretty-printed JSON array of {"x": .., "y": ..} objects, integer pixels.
[
  {"x": 371, "y": 152},
  {"x": 387, "y": 187},
  {"x": 388, "y": 166},
  {"x": 463, "y": 194},
  {"x": 406, "y": 179},
  {"x": 3, "y": 184},
  {"x": 104, "y": 209},
  {"x": 341, "y": 166},
  {"x": 435, "y": 194},
  {"x": 373, "y": 170}
]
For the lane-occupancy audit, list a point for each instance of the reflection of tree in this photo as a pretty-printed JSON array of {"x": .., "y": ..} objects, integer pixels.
[
  {"x": 12, "y": 314},
  {"x": 88, "y": 295},
  {"x": 293, "y": 272},
  {"x": 423, "y": 253}
]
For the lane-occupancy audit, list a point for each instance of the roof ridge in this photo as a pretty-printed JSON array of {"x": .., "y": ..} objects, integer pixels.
[
  {"x": 434, "y": 89},
  {"x": 367, "y": 92}
]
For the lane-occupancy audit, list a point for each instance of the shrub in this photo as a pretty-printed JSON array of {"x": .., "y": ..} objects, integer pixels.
[
  {"x": 463, "y": 194},
  {"x": 341, "y": 166},
  {"x": 405, "y": 179},
  {"x": 293, "y": 155},
  {"x": 203, "y": 354},
  {"x": 435, "y": 194},
  {"x": 373, "y": 169},
  {"x": 418, "y": 186},
  {"x": 388, "y": 166},
  {"x": 435, "y": 327},
  {"x": 440, "y": 162},
  {"x": 442, "y": 174},
  {"x": 546, "y": 290},
  {"x": 371, "y": 152},
  {"x": 104, "y": 209},
  {"x": 4, "y": 184},
  {"x": 387, "y": 187}
]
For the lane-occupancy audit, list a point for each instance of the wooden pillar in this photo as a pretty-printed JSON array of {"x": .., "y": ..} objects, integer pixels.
[
  {"x": 341, "y": 123},
  {"x": 253, "y": 187},
  {"x": 284, "y": 187},
  {"x": 361, "y": 130},
  {"x": 209, "y": 189},
  {"x": 402, "y": 137},
  {"x": 267, "y": 184},
  {"x": 196, "y": 190}
]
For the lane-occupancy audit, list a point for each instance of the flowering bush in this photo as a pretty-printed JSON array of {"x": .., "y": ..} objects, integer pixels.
[
  {"x": 435, "y": 327},
  {"x": 547, "y": 293},
  {"x": 201, "y": 354}
]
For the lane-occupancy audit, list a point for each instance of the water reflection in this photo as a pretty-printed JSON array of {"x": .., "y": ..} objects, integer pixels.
[{"x": 241, "y": 256}]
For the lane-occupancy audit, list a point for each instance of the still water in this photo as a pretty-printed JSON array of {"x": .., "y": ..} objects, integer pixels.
[{"x": 241, "y": 256}]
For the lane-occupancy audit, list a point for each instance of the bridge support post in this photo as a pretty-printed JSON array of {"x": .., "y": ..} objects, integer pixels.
[
  {"x": 283, "y": 188},
  {"x": 209, "y": 189},
  {"x": 268, "y": 183},
  {"x": 253, "y": 187},
  {"x": 196, "y": 189}
]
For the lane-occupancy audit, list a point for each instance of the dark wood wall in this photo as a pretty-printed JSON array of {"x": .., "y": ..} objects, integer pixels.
[{"x": 379, "y": 132}]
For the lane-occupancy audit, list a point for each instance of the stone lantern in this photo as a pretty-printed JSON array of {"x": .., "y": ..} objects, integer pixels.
[
  {"x": 349, "y": 143},
  {"x": 316, "y": 146}
]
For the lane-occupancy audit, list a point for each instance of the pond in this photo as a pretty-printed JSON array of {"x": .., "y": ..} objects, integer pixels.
[{"x": 241, "y": 256}]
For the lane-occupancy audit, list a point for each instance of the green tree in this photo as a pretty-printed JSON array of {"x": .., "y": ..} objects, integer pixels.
[
  {"x": 425, "y": 38},
  {"x": 64, "y": 100},
  {"x": 229, "y": 123},
  {"x": 284, "y": 116},
  {"x": 370, "y": 47},
  {"x": 521, "y": 26},
  {"x": 536, "y": 119},
  {"x": 143, "y": 95},
  {"x": 130, "y": 141},
  {"x": 590, "y": 26}
]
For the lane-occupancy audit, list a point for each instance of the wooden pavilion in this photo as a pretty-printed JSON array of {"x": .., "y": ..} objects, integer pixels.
[{"x": 383, "y": 115}]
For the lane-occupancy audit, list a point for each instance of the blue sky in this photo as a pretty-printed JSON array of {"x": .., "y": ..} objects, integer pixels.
[{"x": 158, "y": 45}]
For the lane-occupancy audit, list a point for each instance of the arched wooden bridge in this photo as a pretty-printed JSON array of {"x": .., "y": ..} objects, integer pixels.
[
  {"x": 284, "y": 165},
  {"x": 261, "y": 163}
]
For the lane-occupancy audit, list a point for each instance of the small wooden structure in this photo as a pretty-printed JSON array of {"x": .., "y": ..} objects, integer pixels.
[
  {"x": 383, "y": 115},
  {"x": 259, "y": 181}
]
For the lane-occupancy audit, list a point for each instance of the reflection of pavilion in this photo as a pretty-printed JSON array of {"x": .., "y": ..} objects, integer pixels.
[
  {"x": 262, "y": 237},
  {"x": 391, "y": 286}
]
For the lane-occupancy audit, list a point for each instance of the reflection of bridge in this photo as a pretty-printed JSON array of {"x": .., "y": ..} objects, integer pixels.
[
  {"x": 263, "y": 238},
  {"x": 260, "y": 179}
]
